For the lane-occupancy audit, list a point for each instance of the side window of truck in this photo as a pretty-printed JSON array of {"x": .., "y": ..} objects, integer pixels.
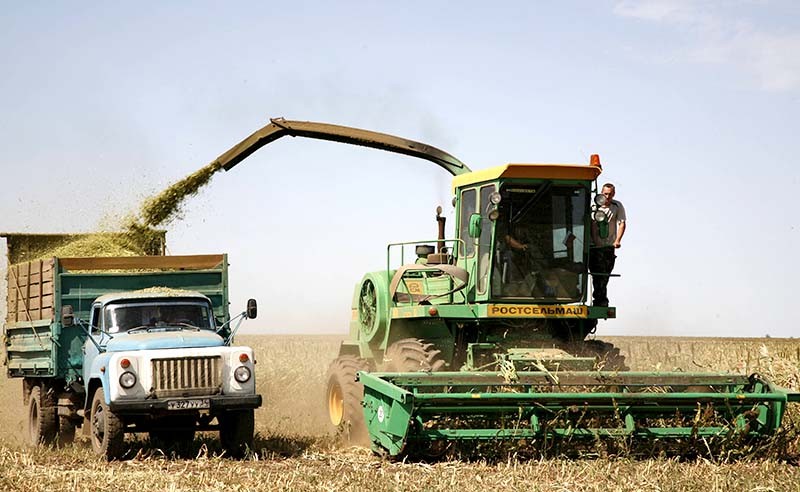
[{"x": 95, "y": 319}]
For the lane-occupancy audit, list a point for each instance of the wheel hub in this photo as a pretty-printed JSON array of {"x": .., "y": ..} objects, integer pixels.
[{"x": 336, "y": 404}]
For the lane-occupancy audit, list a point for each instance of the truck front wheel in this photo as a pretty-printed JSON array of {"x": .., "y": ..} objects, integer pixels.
[
  {"x": 42, "y": 419},
  {"x": 236, "y": 430},
  {"x": 107, "y": 430}
]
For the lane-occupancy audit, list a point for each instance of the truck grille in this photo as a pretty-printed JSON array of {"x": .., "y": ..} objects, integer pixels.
[{"x": 187, "y": 376}]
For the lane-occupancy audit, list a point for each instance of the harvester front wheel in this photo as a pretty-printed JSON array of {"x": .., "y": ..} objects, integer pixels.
[
  {"x": 343, "y": 397},
  {"x": 42, "y": 418},
  {"x": 412, "y": 355}
]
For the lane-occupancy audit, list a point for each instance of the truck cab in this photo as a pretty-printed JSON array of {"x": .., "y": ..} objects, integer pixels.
[{"x": 163, "y": 366}]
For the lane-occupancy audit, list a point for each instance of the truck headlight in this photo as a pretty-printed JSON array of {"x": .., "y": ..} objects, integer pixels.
[
  {"x": 127, "y": 379},
  {"x": 242, "y": 374}
]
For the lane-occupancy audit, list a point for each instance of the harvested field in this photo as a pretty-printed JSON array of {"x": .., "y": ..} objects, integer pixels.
[{"x": 295, "y": 452}]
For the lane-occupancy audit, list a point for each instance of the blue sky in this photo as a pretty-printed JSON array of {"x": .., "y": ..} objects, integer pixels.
[{"x": 691, "y": 105}]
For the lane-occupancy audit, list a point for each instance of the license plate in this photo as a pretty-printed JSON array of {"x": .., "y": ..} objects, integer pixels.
[{"x": 188, "y": 404}]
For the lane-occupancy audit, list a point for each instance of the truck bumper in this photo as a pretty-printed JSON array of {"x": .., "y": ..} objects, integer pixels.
[{"x": 217, "y": 403}]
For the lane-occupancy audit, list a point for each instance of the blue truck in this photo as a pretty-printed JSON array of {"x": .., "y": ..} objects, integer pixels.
[{"x": 118, "y": 345}]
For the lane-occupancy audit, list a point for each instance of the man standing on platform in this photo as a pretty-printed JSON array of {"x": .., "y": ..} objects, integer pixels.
[{"x": 608, "y": 227}]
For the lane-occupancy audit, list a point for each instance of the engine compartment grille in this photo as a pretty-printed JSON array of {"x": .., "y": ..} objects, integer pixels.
[{"x": 187, "y": 376}]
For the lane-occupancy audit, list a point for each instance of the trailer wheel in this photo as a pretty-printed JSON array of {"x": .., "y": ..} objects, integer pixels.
[
  {"x": 343, "y": 397},
  {"x": 107, "y": 430},
  {"x": 412, "y": 355},
  {"x": 236, "y": 430},
  {"x": 42, "y": 418}
]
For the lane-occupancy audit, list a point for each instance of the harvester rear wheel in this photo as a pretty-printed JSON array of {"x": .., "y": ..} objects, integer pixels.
[
  {"x": 343, "y": 397},
  {"x": 412, "y": 355}
]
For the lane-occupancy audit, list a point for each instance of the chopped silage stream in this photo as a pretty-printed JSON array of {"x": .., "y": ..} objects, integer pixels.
[{"x": 137, "y": 231}]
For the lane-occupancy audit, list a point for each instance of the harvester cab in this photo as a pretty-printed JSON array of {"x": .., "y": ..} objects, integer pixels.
[
  {"x": 510, "y": 286},
  {"x": 482, "y": 336}
]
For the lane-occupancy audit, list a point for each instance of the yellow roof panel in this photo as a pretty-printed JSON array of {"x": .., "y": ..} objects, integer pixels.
[{"x": 530, "y": 171}]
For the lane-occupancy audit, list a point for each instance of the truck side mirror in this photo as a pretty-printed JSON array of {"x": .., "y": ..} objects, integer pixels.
[
  {"x": 67, "y": 315},
  {"x": 475, "y": 225},
  {"x": 252, "y": 309}
]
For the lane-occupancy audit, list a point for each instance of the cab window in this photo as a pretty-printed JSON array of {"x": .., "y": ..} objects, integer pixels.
[
  {"x": 468, "y": 207},
  {"x": 95, "y": 319}
]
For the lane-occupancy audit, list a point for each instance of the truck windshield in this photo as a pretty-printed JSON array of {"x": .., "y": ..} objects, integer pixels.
[
  {"x": 540, "y": 243},
  {"x": 122, "y": 317}
]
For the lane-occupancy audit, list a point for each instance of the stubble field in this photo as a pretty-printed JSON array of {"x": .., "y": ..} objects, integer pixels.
[{"x": 295, "y": 450}]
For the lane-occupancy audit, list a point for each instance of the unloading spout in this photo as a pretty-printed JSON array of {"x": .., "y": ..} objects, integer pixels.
[{"x": 279, "y": 127}]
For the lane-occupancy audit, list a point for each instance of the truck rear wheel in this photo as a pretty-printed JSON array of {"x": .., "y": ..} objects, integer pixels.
[
  {"x": 107, "y": 430},
  {"x": 42, "y": 418},
  {"x": 412, "y": 355},
  {"x": 236, "y": 430},
  {"x": 343, "y": 397}
]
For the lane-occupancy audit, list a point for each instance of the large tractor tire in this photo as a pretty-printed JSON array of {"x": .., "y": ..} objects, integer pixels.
[
  {"x": 343, "y": 397},
  {"x": 107, "y": 430},
  {"x": 412, "y": 355},
  {"x": 236, "y": 431},
  {"x": 42, "y": 417}
]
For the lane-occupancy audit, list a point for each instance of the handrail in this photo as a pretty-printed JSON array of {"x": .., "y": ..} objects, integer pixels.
[{"x": 456, "y": 242}]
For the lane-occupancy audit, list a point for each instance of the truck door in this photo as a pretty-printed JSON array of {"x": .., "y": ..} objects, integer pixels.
[{"x": 90, "y": 349}]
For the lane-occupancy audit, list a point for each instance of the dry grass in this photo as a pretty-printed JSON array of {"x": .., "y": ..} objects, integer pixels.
[
  {"x": 47, "y": 470},
  {"x": 295, "y": 452}
]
